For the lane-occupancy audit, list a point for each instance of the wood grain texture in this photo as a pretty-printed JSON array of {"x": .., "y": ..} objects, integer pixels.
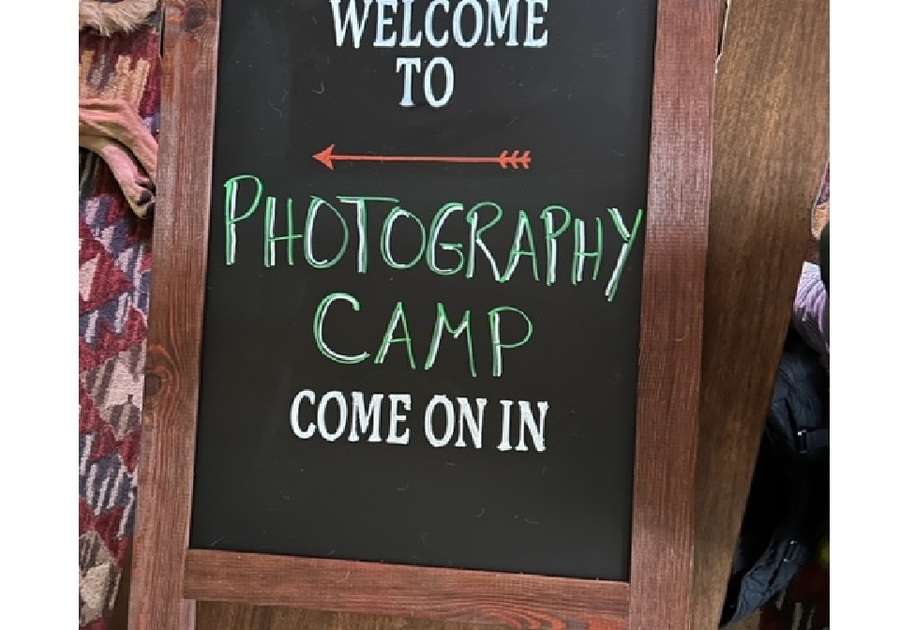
[
  {"x": 672, "y": 314},
  {"x": 770, "y": 151},
  {"x": 475, "y": 597},
  {"x": 165, "y": 472},
  {"x": 222, "y": 615}
]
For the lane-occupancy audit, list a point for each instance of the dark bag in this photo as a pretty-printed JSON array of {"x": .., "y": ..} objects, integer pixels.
[{"x": 787, "y": 508}]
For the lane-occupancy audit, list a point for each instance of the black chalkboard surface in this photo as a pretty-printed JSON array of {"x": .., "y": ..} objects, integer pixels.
[{"x": 423, "y": 296}]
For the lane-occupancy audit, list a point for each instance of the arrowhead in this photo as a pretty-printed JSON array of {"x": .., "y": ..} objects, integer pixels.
[{"x": 324, "y": 156}]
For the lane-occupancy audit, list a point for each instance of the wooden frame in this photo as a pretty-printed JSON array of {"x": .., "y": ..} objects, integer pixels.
[{"x": 168, "y": 576}]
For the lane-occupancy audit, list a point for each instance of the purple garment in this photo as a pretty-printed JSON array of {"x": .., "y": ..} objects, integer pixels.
[{"x": 810, "y": 314}]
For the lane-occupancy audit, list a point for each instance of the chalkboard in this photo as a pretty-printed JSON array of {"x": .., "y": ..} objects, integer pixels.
[
  {"x": 415, "y": 360},
  {"x": 425, "y": 329}
]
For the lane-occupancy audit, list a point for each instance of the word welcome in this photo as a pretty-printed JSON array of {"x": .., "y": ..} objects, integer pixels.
[
  {"x": 465, "y": 23},
  {"x": 353, "y": 214},
  {"x": 445, "y": 421}
]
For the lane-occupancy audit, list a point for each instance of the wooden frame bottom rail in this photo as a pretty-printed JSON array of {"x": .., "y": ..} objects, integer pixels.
[{"x": 483, "y": 597}]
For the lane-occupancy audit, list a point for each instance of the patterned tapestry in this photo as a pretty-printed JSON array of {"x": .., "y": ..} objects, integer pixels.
[{"x": 121, "y": 70}]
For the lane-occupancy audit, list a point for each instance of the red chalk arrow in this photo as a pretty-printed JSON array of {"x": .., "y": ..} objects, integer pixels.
[{"x": 506, "y": 159}]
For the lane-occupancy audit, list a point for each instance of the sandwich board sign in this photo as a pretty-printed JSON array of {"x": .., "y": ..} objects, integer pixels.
[{"x": 426, "y": 309}]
